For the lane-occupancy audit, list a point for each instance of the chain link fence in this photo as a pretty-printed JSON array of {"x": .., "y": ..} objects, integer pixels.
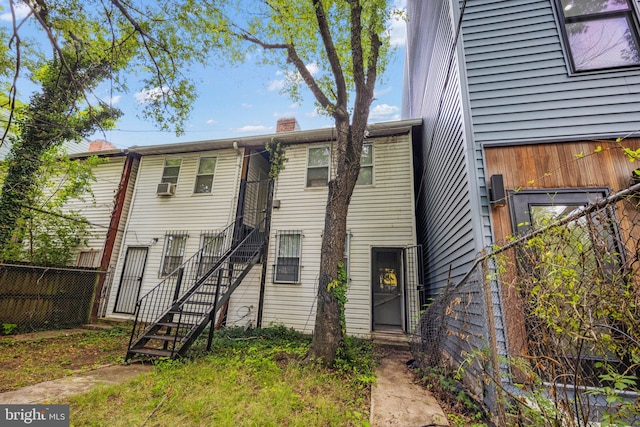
[
  {"x": 545, "y": 330},
  {"x": 39, "y": 298}
]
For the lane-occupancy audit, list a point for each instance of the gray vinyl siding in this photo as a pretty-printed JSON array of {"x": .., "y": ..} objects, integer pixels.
[
  {"x": 519, "y": 86},
  {"x": 444, "y": 203}
]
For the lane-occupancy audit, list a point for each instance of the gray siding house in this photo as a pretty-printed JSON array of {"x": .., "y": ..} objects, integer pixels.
[{"x": 515, "y": 92}]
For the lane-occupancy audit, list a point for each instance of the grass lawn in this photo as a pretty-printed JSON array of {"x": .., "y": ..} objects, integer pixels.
[
  {"x": 30, "y": 362},
  {"x": 254, "y": 379}
]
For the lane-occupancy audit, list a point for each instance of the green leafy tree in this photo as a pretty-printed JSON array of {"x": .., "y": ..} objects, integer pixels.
[
  {"x": 46, "y": 233},
  {"x": 91, "y": 41},
  {"x": 336, "y": 48}
]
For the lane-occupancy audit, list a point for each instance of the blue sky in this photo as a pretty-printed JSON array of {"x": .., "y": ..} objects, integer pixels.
[{"x": 243, "y": 101}]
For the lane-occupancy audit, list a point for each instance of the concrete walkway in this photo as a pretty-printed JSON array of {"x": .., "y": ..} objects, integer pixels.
[
  {"x": 64, "y": 387},
  {"x": 396, "y": 400}
]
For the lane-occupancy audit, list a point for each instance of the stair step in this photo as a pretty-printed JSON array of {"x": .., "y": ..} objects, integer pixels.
[
  {"x": 176, "y": 324},
  {"x": 203, "y": 293},
  {"x": 151, "y": 351},
  {"x": 188, "y": 313},
  {"x": 199, "y": 302},
  {"x": 164, "y": 337}
]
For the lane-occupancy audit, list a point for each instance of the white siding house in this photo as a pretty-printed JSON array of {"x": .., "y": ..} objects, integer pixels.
[
  {"x": 381, "y": 215},
  {"x": 207, "y": 185},
  {"x": 204, "y": 200}
]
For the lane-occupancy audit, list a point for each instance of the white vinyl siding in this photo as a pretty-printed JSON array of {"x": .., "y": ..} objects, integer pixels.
[
  {"x": 379, "y": 216},
  {"x": 105, "y": 188},
  {"x": 152, "y": 217}
]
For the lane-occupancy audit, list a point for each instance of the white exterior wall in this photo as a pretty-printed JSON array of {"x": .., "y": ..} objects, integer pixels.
[
  {"x": 380, "y": 215},
  {"x": 151, "y": 216},
  {"x": 104, "y": 189}
]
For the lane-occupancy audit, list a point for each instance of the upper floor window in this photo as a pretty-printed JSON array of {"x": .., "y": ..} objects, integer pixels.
[
  {"x": 600, "y": 34},
  {"x": 204, "y": 177},
  {"x": 318, "y": 160},
  {"x": 366, "y": 165},
  {"x": 171, "y": 170}
]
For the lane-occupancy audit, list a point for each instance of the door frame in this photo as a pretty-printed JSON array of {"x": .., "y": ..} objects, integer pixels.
[
  {"x": 400, "y": 251},
  {"x": 124, "y": 267}
]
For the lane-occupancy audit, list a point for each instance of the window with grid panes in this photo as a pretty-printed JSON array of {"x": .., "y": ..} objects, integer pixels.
[
  {"x": 171, "y": 170},
  {"x": 287, "y": 268},
  {"x": 318, "y": 161},
  {"x": 204, "y": 176},
  {"x": 173, "y": 252},
  {"x": 366, "y": 165}
]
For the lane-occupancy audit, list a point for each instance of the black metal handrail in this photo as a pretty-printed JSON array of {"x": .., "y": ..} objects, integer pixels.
[{"x": 152, "y": 305}]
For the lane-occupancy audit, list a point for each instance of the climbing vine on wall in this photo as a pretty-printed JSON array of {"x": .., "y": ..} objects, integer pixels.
[{"x": 277, "y": 157}]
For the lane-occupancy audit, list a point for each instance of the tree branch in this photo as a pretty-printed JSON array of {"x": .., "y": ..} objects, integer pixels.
[
  {"x": 292, "y": 57},
  {"x": 334, "y": 60}
]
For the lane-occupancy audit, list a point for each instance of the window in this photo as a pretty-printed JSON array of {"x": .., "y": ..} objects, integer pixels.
[
  {"x": 599, "y": 34},
  {"x": 586, "y": 242},
  {"x": 171, "y": 170},
  {"x": 287, "y": 268},
  {"x": 366, "y": 165},
  {"x": 318, "y": 166},
  {"x": 212, "y": 245},
  {"x": 88, "y": 258},
  {"x": 204, "y": 177},
  {"x": 173, "y": 252},
  {"x": 347, "y": 250}
]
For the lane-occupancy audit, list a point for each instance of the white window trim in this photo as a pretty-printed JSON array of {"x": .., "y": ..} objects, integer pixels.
[
  {"x": 182, "y": 235},
  {"x": 164, "y": 165},
  {"x": 213, "y": 175},
  {"x": 372, "y": 166},
  {"x": 277, "y": 257},
  {"x": 306, "y": 170}
]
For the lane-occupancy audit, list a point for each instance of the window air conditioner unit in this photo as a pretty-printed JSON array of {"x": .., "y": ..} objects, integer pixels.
[{"x": 166, "y": 189}]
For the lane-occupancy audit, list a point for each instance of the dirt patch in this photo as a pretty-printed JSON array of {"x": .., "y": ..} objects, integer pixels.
[{"x": 27, "y": 362}]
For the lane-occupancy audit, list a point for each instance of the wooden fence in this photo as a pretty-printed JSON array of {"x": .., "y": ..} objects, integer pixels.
[{"x": 37, "y": 297}]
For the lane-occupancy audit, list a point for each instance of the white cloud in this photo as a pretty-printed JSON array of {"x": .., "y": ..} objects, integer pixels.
[
  {"x": 252, "y": 128},
  {"x": 384, "y": 112},
  {"x": 211, "y": 122},
  {"x": 381, "y": 92},
  {"x": 398, "y": 26},
  {"x": 291, "y": 76},
  {"x": 245, "y": 105},
  {"x": 148, "y": 95},
  {"x": 294, "y": 106},
  {"x": 275, "y": 85},
  {"x": 21, "y": 10},
  {"x": 112, "y": 100}
]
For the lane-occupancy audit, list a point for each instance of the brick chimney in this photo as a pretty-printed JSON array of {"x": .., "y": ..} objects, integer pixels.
[
  {"x": 100, "y": 145},
  {"x": 287, "y": 124}
]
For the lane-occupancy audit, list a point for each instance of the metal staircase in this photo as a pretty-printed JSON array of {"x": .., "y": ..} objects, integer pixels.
[{"x": 172, "y": 315}]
